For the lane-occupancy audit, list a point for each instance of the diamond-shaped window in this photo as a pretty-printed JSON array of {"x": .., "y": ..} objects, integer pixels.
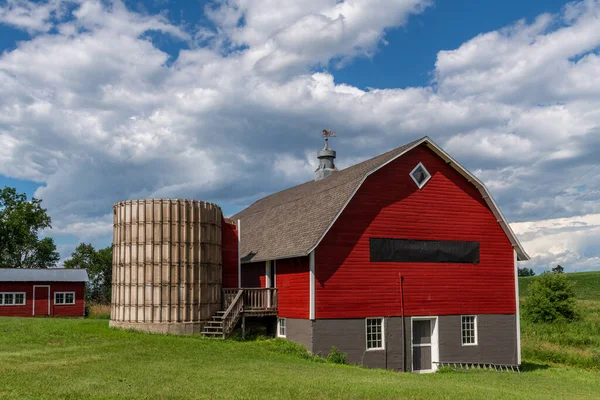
[{"x": 420, "y": 175}]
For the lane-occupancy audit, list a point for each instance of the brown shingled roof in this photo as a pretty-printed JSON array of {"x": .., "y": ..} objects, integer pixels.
[{"x": 291, "y": 222}]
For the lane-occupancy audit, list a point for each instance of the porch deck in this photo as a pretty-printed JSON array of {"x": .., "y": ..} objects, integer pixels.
[{"x": 239, "y": 303}]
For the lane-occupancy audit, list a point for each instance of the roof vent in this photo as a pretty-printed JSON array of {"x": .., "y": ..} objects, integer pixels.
[{"x": 326, "y": 158}]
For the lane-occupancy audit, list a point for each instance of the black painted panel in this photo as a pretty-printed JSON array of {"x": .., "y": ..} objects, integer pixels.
[{"x": 437, "y": 251}]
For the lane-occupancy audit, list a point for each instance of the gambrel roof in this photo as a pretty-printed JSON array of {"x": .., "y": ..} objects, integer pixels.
[{"x": 292, "y": 222}]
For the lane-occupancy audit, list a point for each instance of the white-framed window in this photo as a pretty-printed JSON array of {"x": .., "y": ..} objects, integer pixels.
[
  {"x": 63, "y": 298},
  {"x": 12, "y": 299},
  {"x": 468, "y": 330},
  {"x": 281, "y": 327},
  {"x": 375, "y": 333},
  {"x": 420, "y": 175}
]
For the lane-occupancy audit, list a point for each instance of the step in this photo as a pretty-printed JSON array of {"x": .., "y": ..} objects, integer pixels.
[
  {"x": 212, "y": 328},
  {"x": 218, "y": 334},
  {"x": 214, "y": 323}
]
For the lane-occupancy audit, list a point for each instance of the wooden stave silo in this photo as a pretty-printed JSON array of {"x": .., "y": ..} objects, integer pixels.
[{"x": 167, "y": 264}]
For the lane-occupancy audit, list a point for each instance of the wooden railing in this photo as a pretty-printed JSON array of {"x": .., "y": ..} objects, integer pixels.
[
  {"x": 260, "y": 299},
  {"x": 254, "y": 298},
  {"x": 233, "y": 313},
  {"x": 228, "y": 296}
]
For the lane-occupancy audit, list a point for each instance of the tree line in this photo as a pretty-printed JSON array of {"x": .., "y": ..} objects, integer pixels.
[
  {"x": 529, "y": 272},
  {"x": 22, "y": 220}
]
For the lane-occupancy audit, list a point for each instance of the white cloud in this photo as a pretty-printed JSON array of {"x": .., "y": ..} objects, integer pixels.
[
  {"x": 30, "y": 16},
  {"x": 571, "y": 242},
  {"x": 98, "y": 113},
  {"x": 283, "y": 35}
]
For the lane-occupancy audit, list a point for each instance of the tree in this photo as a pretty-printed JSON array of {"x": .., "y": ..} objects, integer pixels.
[
  {"x": 526, "y": 272},
  {"x": 20, "y": 223},
  {"x": 99, "y": 267},
  {"x": 550, "y": 298},
  {"x": 558, "y": 269}
]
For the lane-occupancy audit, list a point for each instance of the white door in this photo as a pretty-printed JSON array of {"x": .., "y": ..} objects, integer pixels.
[{"x": 425, "y": 352}]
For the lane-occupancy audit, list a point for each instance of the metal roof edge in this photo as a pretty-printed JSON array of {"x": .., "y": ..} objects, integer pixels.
[{"x": 276, "y": 258}]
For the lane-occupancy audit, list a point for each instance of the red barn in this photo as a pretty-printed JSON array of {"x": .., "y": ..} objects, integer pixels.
[
  {"x": 42, "y": 292},
  {"x": 403, "y": 261}
]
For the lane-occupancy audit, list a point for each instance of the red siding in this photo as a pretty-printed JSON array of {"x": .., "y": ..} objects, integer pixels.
[
  {"x": 293, "y": 287},
  {"x": 17, "y": 311},
  {"x": 68, "y": 310},
  {"x": 75, "y": 310},
  {"x": 253, "y": 274},
  {"x": 230, "y": 255},
  {"x": 389, "y": 204}
]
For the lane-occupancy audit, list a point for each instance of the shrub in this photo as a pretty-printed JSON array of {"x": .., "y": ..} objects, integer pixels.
[
  {"x": 550, "y": 298},
  {"x": 283, "y": 346},
  {"x": 336, "y": 357},
  {"x": 97, "y": 311}
]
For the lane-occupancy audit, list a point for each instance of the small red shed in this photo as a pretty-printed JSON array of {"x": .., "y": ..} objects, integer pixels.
[{"x": 42, "y": 292}]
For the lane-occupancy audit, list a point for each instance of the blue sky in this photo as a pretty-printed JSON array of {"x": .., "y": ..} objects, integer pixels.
[{"x": 104, "y": 101}]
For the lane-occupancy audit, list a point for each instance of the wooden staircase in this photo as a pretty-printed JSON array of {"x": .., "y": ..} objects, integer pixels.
[
  {"x": 214, "y": 327},
  {"x": 240, "y": 303}
]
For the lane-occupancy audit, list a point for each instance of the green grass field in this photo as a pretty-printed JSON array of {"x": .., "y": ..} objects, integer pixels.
[
  {"x": 71, "y": 358},
  {"x": 574, "y": 344},
  {"x": 75, "y": 359}
]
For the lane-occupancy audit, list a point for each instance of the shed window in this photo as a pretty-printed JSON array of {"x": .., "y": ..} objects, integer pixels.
[
  {"x": 375, "y": 334},
  {"x": 281, "y": 327},
  {"x": 420, "y": 175},
  {"x": 469, "y": 330},
  {"x": 12, "y": 299},
  {"x": 61, "y": 298}
]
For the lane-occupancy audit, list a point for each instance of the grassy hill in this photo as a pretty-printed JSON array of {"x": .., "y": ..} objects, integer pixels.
[
  {"x": 75, "y": 359},
  {"x": 576, "y": 343},
  {"x": 585, "y": 284}
]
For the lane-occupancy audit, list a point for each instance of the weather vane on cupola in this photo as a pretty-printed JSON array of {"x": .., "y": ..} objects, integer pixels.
[
  {"x": 327, "y": 134},
  {"x": 326, "y": 158}
]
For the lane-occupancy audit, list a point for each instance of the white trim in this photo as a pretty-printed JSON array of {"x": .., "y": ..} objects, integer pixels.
[
  {"x": 274, "y": 273},
  {"x": 420, "y": 185},
  {"x": 311, "y": 278},
  {"x": 239, "y": 235},
  {"x": 382, "y": 319},
  {"x": 518, "y": 313},
  {"x": 2, "y": 304},
  {"x": 435, "y": 344},
  {"x": 461, "y": 170},
  {"x": 65, "y": 299},
  {"x": 268, "y": 274},
  {"x": 475, "y": 327},
  {"x": 279, "y": 327},
  {"x": 268, "y": 281},
  {"x": 33, "y": 300}
]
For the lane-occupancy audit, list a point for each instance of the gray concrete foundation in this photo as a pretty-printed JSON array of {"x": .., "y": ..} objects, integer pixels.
[
  {"x": 178, "y": 328},
  {"x": 496, "y": 340}
]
